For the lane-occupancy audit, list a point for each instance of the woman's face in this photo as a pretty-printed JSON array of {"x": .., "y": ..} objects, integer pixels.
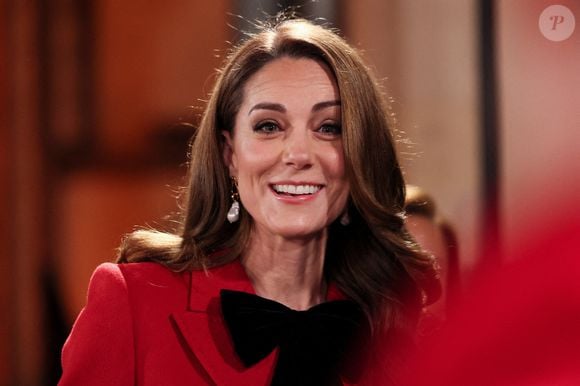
[{"x": 286, "y": 149}]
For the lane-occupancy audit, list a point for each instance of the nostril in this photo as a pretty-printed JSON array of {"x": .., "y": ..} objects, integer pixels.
[{"x": 298, "y": 158}]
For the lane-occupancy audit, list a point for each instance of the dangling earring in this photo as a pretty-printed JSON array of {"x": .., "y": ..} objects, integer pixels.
[
  {"x": 345, "y": 218},
  {"x": 234, "y": 212}
]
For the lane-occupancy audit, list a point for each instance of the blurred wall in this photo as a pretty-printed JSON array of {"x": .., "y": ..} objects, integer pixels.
[
  {"x": 427, "y": 54},
  {"x": 540, "y": 118},
  {"x": 22, "y": 249},
  {"x": 6, "y": 301},
  {"x": 92, "y": 95},
  {"x": 151, "y": 62}
]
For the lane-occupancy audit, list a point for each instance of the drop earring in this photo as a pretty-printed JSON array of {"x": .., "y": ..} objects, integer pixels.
[
  {"x": 345, "y": 218},
  {"x": 234, "y": 212}
]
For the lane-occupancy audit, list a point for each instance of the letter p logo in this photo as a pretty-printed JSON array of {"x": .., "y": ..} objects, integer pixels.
[
  {"x": 557, "y": 23},
  {"x": 557, "y": 20}
]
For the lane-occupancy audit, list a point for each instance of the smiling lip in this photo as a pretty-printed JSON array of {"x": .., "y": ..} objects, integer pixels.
[{"x": 296, "y": 192}]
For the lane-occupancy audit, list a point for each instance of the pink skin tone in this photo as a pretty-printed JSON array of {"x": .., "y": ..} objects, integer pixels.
[
  {"x": 430, "y": 237},
  {"x": 287, "y": 139}
]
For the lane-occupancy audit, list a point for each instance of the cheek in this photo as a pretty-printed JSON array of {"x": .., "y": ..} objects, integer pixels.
[
  {"x": 334, "y": 169},
  {"x": 252, "y": 157},
  {"x": 334, "y": 161}
]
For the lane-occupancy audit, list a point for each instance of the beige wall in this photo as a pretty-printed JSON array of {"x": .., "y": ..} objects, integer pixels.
[{"x": 427, "y": 51}]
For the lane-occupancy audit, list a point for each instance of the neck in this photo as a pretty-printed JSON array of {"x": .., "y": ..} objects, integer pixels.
[{"x": 287, "y": 271}]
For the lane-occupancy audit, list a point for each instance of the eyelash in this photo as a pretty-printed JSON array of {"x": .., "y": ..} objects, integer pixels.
[
  {"x": 335, "y": 129},
  {"x": 261, "y": 127},
  {"x": 269, "y": 128}
]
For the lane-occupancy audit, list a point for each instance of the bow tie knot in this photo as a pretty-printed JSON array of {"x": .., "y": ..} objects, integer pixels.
[{"x": 313, "y": 344}]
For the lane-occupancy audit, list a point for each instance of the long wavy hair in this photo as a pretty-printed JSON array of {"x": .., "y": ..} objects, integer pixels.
[{"x": 373, "y": 260}]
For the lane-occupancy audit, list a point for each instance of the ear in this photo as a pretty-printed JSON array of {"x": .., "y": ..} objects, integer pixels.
[{"x": 228, "y": 153}]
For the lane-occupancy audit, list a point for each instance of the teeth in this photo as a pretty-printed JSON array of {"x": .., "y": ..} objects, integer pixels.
[{"x": 296, "y": 189}]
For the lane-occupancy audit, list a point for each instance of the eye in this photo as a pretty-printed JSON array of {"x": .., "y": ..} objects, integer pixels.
[
  {"x": 267, "y": 127},
  {"x": 330, "y": 129}
]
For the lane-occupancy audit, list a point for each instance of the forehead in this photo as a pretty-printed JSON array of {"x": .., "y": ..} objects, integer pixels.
[{"x": 291, "y": 79}]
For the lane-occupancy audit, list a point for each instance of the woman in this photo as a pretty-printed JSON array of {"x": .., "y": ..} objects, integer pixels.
[{"x": 295, "y": 195}]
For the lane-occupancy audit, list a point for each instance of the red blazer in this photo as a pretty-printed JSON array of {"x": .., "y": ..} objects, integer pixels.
[{"x": 146, "y": 325}]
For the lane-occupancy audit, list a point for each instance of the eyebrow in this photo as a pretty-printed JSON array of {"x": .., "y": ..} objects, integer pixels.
[
  {"x": 280, "y": 108},
  {"x": 268, "y": 106},
  {"x": 324, "y": 105}
]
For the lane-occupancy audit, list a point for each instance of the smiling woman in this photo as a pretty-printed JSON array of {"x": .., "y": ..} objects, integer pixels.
[
  {"x": 286, "y": 153},
  {"x": 292, "y": 251}
]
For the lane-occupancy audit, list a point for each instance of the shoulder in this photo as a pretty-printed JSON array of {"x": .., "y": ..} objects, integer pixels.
[
  {"x": 105, "y": 318},
  {"x": 137, "y": 280},
  {"x": 134, "y": 273}
]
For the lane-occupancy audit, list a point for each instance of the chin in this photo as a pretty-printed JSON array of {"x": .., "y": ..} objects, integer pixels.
[{"x": 297, "y": 230}]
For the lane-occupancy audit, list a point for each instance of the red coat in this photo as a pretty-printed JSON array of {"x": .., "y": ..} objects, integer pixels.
[{"x": 146, "y": 325}]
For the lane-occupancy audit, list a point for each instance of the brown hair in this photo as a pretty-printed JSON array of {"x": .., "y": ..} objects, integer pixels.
[{"x": 373, "y": 260}]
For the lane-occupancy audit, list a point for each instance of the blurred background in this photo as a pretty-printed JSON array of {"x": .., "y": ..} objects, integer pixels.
[{"x": 485, "y": 93}]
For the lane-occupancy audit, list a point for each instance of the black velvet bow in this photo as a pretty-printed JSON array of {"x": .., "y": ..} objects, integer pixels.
[{"x": 316, "y": 346}]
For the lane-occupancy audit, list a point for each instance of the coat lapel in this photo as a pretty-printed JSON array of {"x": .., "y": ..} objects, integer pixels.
[{"x": 203, "y": 329}]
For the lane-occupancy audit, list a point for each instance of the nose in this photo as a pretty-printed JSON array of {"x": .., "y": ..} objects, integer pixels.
[{"x": 297, "y": 150}]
